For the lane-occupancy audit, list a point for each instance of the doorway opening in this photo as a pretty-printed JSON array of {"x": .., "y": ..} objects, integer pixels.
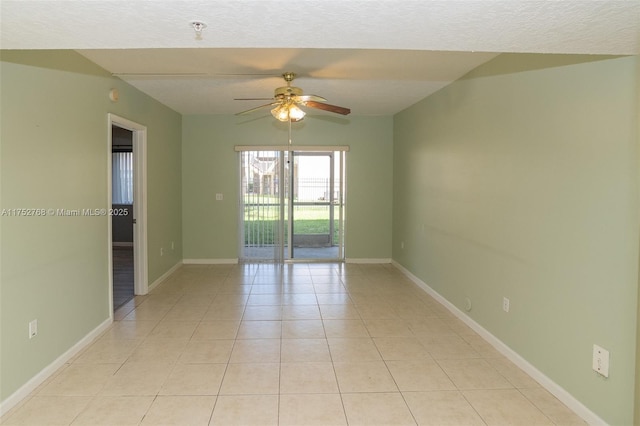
[
  {"x": 127, "y": 199},
  {"x": 292, "y": 205},
  {"x": 122, "y": 202}
]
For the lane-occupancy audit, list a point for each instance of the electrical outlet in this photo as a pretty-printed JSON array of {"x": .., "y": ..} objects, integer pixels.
[
  {"x": 505, "y": 304},
  {"x": 161, "y": 251},
  {"x": 219, "y": 197},
  {"x": 600, "y": 360},
  {"x": 172, "y": 246},
  {"x": 33, "y": 328},
  {"x": 402, "y": 245}
]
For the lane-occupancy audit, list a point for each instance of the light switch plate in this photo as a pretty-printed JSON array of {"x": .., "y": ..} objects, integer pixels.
[{"x": 33, "y": 328}]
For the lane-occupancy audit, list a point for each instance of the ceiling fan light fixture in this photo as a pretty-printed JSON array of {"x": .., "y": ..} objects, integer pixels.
[
  {"x": 288, "y": 100},
  {"x": 296, "y": 113},
  {"x": 280, "y": 113},
  {"x": 285, "y": 111}
]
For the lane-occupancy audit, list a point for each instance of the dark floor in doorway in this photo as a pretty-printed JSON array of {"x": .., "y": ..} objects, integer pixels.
[{"x": 122, "y": 276}]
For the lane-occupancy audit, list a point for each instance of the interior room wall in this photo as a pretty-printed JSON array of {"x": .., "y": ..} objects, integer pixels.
[
  {"x": 521, "y": 181},
  {"x": 637, "y": 390},
  {"x": 637, "y": 394},
  {"x": 122, "y": 225},
  {"x": 54, "y": 155},
  {"x": 210, "y": 166}
]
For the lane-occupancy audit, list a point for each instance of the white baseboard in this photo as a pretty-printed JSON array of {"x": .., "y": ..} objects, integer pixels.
[
  {"x": 558, "y": 391},
  {"x": 366, "y": 261},
  {"x": 210, "y": 261},
  {"x": 165, "y": 275},
  {"x": 24, "y": 391}
]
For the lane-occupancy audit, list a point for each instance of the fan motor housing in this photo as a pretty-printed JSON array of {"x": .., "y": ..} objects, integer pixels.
[{"x": 288, "y": 91}]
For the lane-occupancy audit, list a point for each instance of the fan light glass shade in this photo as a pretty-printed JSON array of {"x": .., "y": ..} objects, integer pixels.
[
  {"x": 296, "y": 113},
  {"x": 284, "y": 111}
]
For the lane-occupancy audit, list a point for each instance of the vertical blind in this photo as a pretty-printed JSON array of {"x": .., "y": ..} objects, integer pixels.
[{"x": 122, "y": 178}]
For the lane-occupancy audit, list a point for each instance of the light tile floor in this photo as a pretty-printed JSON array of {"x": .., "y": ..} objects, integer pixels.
[{"x": 298, "y": 344}]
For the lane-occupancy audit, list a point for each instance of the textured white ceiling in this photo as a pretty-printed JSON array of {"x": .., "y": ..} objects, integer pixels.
[{"x": 377, "y": 57}]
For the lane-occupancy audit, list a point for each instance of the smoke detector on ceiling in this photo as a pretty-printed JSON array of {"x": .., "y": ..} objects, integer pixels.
[{"x": 198, "y": 26}]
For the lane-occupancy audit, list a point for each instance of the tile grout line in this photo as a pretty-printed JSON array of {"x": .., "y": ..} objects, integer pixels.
[{"x": 333, "y": 367}]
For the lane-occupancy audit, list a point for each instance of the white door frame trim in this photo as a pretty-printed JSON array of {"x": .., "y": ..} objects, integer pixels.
[{"x": 141, "y": 279}]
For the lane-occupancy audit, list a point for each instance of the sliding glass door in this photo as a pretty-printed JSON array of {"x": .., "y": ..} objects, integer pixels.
[
  {"x": 263, "y": 205},
  {"x": 315, "y": 206},
  {"x": 292, "y": 205}
]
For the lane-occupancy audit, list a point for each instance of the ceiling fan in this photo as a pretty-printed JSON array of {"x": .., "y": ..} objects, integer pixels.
[{"x": 288, "y": 99}]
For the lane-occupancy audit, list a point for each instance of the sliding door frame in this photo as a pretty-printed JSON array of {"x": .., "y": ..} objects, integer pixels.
[{"x": 287, "y": 155}]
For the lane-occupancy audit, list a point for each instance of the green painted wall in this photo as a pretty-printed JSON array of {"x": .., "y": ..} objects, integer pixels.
[
  {"x": 53, "y": 144},
  {"x": 521, "y": 180},
  {"x": 637, "y": 394},
  {"x": 210, "y": 166}
]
